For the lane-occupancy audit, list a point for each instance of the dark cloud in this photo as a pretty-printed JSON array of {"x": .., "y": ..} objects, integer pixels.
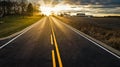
[{"x": 101, "y": 2}]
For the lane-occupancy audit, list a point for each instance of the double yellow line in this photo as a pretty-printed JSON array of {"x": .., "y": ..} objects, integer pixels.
[{"x": 54, "y": 42}]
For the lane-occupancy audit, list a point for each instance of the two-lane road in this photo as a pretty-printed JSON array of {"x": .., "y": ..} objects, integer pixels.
[{"x": 50, "y": 43}]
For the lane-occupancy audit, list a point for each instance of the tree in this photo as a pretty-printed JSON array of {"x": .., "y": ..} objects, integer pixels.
[
  {"x": 9, "y": 7},
  {"x": 23, "y": 7},
  {"x": 1, "y": 10},
  {"x": 30, "y": 9}
]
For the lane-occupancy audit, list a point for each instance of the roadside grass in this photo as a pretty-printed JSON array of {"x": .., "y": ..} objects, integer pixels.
[
  {"x": 13, "y": 24},
  {"x": 106, "y": 30}
]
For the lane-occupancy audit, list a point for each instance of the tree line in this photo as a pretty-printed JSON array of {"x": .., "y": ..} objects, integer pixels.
[{"x": 15, "y": 8}]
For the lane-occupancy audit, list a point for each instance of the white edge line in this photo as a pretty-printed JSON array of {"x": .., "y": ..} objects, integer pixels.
[
  {"x": 78, "y": 32},
  {"x": 26, "y": 29},
  {"x": 93, "y": 41},
  {"x": 10, "y": 41}
]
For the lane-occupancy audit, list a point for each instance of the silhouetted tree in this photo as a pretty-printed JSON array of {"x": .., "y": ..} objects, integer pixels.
[
  {"x": 30, "y": 9},
  {"x": 23, "y": 7},
  {"x": 1, "y": 9},
  {"x": 16, "y": 8},
  {"x": 8, "y": 7}
]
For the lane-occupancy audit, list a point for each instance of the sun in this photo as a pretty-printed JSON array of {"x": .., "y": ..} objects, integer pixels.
[
  {"x": 46, "y": 10},
  {"x": 53, "y": 10}
]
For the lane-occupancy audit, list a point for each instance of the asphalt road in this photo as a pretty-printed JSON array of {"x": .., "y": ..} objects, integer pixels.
[{"x": 50, "y": 43}]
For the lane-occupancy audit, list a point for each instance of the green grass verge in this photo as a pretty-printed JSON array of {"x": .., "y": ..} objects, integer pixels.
[{"x": 13, "y": 24}]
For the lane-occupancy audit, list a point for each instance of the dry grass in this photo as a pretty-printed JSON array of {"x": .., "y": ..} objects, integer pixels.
[{"x": 106, "y": 30}]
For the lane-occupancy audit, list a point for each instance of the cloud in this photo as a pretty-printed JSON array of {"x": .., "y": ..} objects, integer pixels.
[{"x": 100, "y": 2}]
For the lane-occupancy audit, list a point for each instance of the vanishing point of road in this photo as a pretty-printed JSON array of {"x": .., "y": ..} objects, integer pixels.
[{"x": 50, "y": 43}]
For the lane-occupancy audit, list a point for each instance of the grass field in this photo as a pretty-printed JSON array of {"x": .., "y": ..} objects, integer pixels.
[
  {"x": 106, "y": 30},
  {"x": 12, "y": 24}
]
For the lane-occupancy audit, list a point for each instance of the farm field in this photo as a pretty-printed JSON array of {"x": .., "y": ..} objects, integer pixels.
[{"x": 105, "y": 29}]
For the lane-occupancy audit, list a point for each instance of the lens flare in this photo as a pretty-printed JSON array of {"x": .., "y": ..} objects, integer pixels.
[{"x": 46, "y": 10}]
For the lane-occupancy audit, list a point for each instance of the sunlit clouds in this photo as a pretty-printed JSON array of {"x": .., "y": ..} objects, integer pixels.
[
  {"x": 46, "y": 10},
  {"x": 49, "y": 7}
]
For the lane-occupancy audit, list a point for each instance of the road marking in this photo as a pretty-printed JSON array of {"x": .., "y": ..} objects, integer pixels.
[
  {"x": 57, "y": 50},
  {"x": 51, "y": 37},
  {"x": 26, "y": 29},
  {"x": 78, "y": 32},
  {"x": 53, "y": 58},
  {"x": 94, "y": 42},
  {"x": 10, "y": 41},
  {"x": 56, "y": 46}
]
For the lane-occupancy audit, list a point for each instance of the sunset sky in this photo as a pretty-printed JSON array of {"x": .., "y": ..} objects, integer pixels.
[
  {"x": 91, "y": 7},
  {"x": 103, "y": 2}
]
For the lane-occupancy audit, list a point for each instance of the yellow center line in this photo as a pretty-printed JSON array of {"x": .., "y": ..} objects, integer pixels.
[
  {"x": 51, "y": 37},
  {"x": 53, "y": 58},
  {"x": 57, "y": 50},
  {"x": 54, "y": 41}
]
